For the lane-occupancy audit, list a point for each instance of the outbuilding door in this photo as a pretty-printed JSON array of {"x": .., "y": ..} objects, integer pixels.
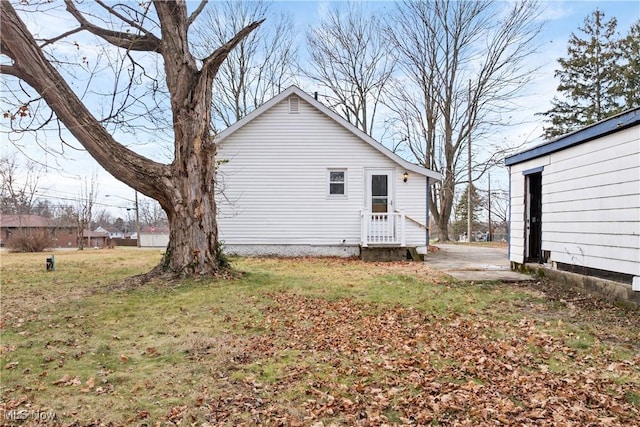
[{"x": 533, "y": 213}]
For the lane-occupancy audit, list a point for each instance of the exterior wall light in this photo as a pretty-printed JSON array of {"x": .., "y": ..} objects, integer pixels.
[{"x": 405, "y": 176}]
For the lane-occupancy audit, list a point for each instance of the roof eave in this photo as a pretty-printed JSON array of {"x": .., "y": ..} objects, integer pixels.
[{"x": 604, "y": 127}]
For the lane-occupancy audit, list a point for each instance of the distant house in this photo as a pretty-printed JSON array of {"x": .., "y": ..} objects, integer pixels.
[
  {"x": 95, "y": 239},
  {"x": 63, "y": 235},
  {"x": 113, "y": 233},
  {"x": 575, "y": 201},
  {"x": 297, "y": 179}
]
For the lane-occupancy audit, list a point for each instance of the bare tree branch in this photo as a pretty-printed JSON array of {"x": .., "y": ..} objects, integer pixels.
[
  {"x": 197, "y": 12},
  {"x": 213, "y": 61},
  {"x": 123, "y": 18},
  {"x": 30, "y": 65},
  {"x": 148, "y": 42},
  {"x": 61, "y": 36}
]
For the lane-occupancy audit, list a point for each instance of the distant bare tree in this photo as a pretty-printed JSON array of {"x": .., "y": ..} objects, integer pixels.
[
  {"x": 463, "y": 64},
  {"x": 499, "y": 209},
  {"x": 350, "y": 59},
  {"x": 84, "y": 209},
  {"x": 18, "y": 186},
  {"x": 102, "y": 218},
  {"x": 65, "y": 215},
  {"x": 151, "y": 213},
  {"x": 261, "y": 66}
]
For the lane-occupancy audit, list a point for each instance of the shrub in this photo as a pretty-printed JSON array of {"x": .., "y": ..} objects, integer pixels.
[{"x": 29, "y": 241}]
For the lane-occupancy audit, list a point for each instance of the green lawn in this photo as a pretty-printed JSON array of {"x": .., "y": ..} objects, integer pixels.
[{"x": 306, "y": 342}]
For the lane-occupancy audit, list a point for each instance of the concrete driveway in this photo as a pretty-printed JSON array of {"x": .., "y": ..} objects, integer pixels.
[{"x": 474, "y": 263}]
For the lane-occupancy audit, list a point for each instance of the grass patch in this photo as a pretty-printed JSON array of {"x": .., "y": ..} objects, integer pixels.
[
  {"x": 299, "y": 341},
  {"x": 633, "y": 398}
]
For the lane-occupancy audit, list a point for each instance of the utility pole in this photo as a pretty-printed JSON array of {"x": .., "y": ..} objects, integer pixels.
[
  {"x": 469, "y": 202},
  {"x": 490, "y": 235},
  {"x": 137, "y": 221},
  {"x": 136, "y": 207}
]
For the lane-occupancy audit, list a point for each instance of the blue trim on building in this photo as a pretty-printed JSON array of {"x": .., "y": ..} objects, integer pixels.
[
  {"x": 533, "y": 170},
  {"x": 596, "y": 130}
]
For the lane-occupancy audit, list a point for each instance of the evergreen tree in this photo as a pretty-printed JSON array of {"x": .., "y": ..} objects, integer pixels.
[
  {"x": 631, "y": 69},
  {"x": 590, "y": 82},
  {"x": 461, "y": 211}
]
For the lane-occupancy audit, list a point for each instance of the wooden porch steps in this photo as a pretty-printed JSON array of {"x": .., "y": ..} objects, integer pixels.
[{"x": 389, "y": 253}]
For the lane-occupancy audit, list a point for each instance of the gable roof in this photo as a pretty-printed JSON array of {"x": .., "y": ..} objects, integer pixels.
[
  {"x": 604, "y": 127},
  {"x": 107, "y": 229},
  {"x": 30, "y": 221},
  {"x": 94, "y": 233},
  {"x": 294, "y": 90}
]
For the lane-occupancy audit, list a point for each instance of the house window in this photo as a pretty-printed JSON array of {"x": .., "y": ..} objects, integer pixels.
[{"x": 337, "y": 182}]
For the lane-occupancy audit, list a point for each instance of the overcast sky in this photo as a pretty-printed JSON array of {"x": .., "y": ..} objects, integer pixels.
[{"x": 561, "y": 17}]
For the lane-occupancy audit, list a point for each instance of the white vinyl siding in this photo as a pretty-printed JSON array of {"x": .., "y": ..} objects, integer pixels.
[
  {"x": 275, "y": 183},
  {"x": 411, "y": 197},
  {"x": 590, "y": 204}
]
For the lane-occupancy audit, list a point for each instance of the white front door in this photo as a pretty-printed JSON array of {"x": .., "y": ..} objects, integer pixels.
[{"x": 380, "y": 205}]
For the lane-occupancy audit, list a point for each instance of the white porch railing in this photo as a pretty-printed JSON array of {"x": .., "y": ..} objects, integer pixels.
[{"x": 382, "y": 228}]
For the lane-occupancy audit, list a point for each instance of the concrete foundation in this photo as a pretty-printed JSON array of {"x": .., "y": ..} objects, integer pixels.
[
  {"x": 616, "y": 292},
  {"x": 383, "y": 253},
  {"x": 345, "y": 251}
]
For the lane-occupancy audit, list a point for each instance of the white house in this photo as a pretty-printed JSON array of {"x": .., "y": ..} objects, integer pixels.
[
  {"x": 575, "y": 201},
  {"x": 294, "y": 178},
  {"x": 113, "y": 233}
]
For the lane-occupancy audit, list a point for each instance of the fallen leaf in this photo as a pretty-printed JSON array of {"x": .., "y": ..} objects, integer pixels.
[{"x": 62, "y": 380}]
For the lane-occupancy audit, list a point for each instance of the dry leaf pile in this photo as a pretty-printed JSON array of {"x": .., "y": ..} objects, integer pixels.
[{"x": 406, "y": 367}]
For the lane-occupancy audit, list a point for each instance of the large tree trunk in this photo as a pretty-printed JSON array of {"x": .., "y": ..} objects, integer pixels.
[
  {"x": 193, "y": 243},
  {"x": 441, "y": 205},
  {"x": 191, "y": 210},
  {"x": 80, "y": 237},
  {"x": 185, "y": 188}
]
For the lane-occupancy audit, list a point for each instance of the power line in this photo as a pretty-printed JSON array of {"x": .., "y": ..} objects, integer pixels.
[{"x": 77, "y": 199}]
